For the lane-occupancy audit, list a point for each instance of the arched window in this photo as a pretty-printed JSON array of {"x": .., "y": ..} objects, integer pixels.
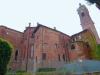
[
  {"x": 72, "y": 46},
  {"x": 16, "y": 55},
  {"x": 87, "y": 45},
  {"x": 82, "y": 14},
  {"x": 63, "y": 57}
]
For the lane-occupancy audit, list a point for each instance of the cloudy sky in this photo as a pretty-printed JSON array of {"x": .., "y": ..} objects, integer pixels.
[{"x": 61, "y": 14}]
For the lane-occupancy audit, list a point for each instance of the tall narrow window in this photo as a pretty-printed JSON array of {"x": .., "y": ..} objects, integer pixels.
[
  {"x": 72, "y": 46},
  {"x": 43, "y": 56},
  {"x": 82, "y": 14},
  {"x": 55, "y": 45},
  {"x": 58, "y": 57},
  {"x": 63, "y": 57},
  {"x": 36, "y": 58},
  {"x": 16, "y": 55}
]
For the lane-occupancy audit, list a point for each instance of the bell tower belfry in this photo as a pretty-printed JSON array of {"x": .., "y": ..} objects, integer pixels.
[{"x": 86, "y": 21}]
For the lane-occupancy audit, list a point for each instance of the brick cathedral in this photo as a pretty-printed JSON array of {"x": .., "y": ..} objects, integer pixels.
[{"x": 44, "y": 47}]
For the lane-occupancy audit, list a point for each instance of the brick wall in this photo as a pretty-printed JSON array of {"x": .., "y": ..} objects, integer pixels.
[
  {"x": 88, "y": 39},
  {"x": 79, "y": 51},
  {"x": 14, "y": 37},
  {"x": 50, "y": 48}
]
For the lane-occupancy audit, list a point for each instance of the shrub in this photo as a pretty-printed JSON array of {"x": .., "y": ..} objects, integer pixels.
[
  {"x": 46, "y": 69},
  {"x": 5, "y": 54}
]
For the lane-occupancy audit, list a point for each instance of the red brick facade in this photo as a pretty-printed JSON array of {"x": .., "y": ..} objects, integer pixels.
[
  {"x": 81, "y": 45},
  {"x": 15, "y": 38},
  {"x": 37, "y": 47},
  {"x": 44, "y": 47},
  {"x": 50, "y": 47}
]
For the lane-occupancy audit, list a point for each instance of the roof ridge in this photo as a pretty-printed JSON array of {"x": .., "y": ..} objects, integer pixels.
[
  {"x": 10, "y": 28},
  {"x": 39, "y": 25}
]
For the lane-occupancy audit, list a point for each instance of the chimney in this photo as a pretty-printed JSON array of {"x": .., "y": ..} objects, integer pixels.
[
  {"x": 29, "y": 24},
  {"x": 54, "y": 28}
]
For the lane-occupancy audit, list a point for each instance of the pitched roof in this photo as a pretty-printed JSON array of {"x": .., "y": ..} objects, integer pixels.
[
  {"x": 40, "y": 25},
  {"x": 11, "y": 29},
  {"x": 80, "y": 32}
]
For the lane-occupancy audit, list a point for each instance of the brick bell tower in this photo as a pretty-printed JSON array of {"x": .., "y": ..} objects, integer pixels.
[{"x": 86, "y": 21}]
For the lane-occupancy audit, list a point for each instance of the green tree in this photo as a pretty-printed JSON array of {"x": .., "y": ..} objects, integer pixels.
[
  {"x": 97, "y": 2},
  {"x": 5, "y": 54},
  {"x": 98, "y": 52}
]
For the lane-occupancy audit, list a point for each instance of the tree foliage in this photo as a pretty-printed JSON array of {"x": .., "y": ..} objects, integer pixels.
[
  {"x": 5, "y": 54},
  {"x": 98, "y": 52},
  {"x": 97, "y": 2}
]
